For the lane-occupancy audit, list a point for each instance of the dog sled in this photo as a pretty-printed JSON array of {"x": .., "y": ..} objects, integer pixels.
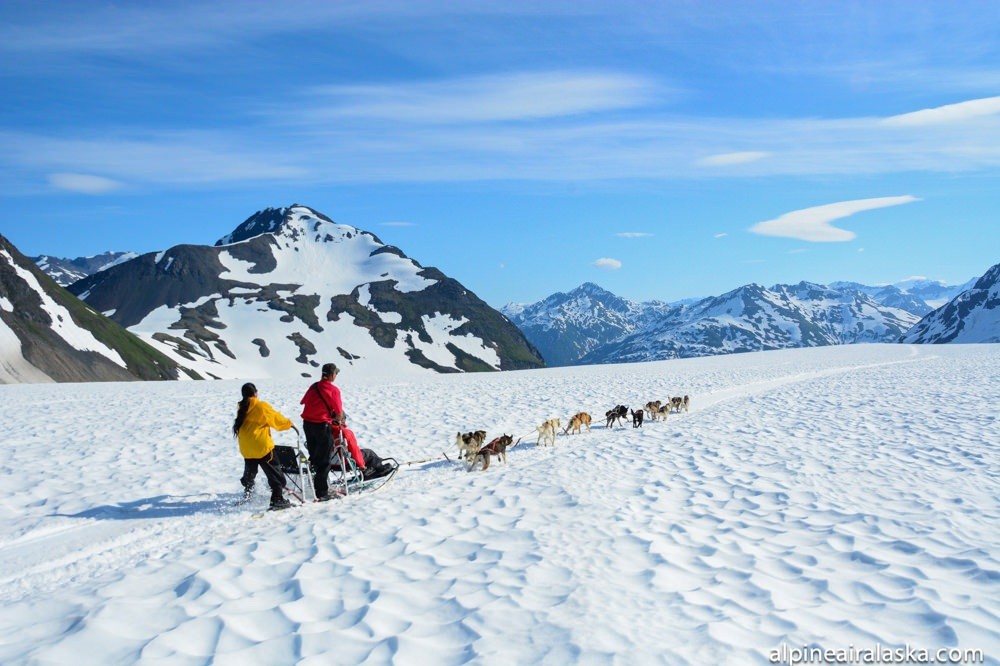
[{"x": 347, "y": 479}]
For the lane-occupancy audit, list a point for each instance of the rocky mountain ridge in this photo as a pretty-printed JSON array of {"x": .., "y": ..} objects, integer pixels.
[
  {"x": 46, "y": 334},
  {"x": 290, "y": 289}
]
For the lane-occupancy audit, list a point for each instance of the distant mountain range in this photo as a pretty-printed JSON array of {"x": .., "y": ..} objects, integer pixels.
[
  {"x": 290, "y": 289},
  {"x": 46, "y": 334},
  {"x": 591, "y": 325},
  {"x": 67, "y": 271}
]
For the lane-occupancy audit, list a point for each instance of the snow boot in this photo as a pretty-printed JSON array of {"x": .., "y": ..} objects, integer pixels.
[{"x": 279, "y": 503}]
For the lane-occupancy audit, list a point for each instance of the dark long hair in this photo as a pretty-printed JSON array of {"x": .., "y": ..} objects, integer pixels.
[{"x": 248, "y": 391}]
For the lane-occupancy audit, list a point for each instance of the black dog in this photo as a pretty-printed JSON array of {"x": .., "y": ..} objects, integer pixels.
[
  {"x": 637, "y": 418},
  {"x": 616, "y": 414}
]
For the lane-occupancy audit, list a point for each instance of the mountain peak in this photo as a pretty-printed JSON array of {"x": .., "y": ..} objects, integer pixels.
[
  {"x": 294, "y": 221},
  {"x": 289, "y": 289}
]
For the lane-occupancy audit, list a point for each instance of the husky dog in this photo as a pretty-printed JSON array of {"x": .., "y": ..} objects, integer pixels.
[
  {"x": 686, "y": 403},
  {"x": 616, "y": 415},
  {"x": 547, "y": 432},
  {"x": 653, "y": 408},
  {"x": 637, "y": 418},
  {"x": 496, "y": 447},
  {"x": 469, "y": 443},
  {"x": 664, "y": 412},
  {"x": 576, "y": 421}
]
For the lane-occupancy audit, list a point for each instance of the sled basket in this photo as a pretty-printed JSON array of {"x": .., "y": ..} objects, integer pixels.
[{"x": 294, "y": 464}]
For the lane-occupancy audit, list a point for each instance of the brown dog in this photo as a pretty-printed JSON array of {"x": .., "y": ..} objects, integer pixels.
[
  {"x": 653, "y": 408},
  {"x": 496, "y": 447},
  {"x": 469, "y": 443},
  {"x": 576, "y": 421}
]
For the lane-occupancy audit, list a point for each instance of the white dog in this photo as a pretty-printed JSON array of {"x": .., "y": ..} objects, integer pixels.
[
  {"x": 547, "y": 432},
  {"x": 469, "y": 443}
]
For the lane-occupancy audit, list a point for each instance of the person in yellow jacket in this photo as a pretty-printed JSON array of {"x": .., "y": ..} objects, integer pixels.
[{"x": 252, "y": 427}]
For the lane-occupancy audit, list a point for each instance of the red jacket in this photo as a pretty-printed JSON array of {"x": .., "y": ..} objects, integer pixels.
[{"x": 314, "y": 409}]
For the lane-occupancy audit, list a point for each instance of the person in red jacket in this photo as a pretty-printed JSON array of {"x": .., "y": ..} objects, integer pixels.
[
  {"x": 323, "y": 420},
  {"x": 252, "y": 428}
]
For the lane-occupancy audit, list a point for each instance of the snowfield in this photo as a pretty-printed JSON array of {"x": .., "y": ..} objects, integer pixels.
[{"x": 827, "y": 497}]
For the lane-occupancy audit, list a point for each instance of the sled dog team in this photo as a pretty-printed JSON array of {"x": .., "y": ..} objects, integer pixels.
[{"x": 472, "y": 446}]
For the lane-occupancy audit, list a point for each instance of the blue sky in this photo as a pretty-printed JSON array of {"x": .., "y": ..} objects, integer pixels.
[{"x": 663, "y": 150}]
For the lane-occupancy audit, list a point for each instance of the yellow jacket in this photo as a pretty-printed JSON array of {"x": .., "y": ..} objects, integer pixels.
[{"x": 255, "y": 433}]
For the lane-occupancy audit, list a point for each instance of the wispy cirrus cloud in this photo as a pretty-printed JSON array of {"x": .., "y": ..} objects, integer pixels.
[
  {"x": 607, "y": 264},
  {"x": 949, "y": 113},
  {"x": 731, "y": 159},
  {"x": 83, "y": 183},
  {"x": 397, "y": 223},
  {"x": 633, "y": 234},
  {"x": 524, "y": 140},
  {"x": 499, "y": 97},
  {"x": 143, "y": 159},
  {"x": 814, "y": 224}
]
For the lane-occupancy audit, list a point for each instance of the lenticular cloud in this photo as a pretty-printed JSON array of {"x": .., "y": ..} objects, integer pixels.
[{"x": 813, "y": 224}]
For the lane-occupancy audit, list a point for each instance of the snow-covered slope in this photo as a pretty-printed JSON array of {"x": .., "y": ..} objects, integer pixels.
[
  {"x": 48, "y": 335},
  {"x": 67, "y": 271},
  {"x": 751, "y": 318},
  {"x": 833, "y": 497},
  {"x": 289, "y": 289},
  {"x": 972, "y": 316}
]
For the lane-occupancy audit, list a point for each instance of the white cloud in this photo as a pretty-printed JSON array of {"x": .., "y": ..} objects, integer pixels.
[
  {"x": 813, "y": 224},
  {"x": 500, "y": 97},
  {"x": 83, "y": 183},
  {"x": 398, "y": 224},
  {"x": 633, "y": 234},
  {"x": 608, "y": 264},
  {"x": 950, "y": 113},
  {"x": 721, "y": 235},
  {"x": 731, "y": 159},
  {"x": 274, "y": 145}
]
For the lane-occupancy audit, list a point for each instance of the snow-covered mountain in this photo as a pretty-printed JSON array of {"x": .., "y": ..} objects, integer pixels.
[
  {"x": 290, "y": 289},
  {"x": 750, "y": 318},
  {"x": 46, "y": 334},
  {"x": 68, "y": 271},
  {"x": 915, "y": 295},
  {"x": 970, "y": 317},
  {"x": 567, "y": 326}
]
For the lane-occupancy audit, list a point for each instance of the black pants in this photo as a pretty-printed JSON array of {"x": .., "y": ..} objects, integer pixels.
[
  {"x": 319, "y": 442},
  {"x": 275, "y": 479}
]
